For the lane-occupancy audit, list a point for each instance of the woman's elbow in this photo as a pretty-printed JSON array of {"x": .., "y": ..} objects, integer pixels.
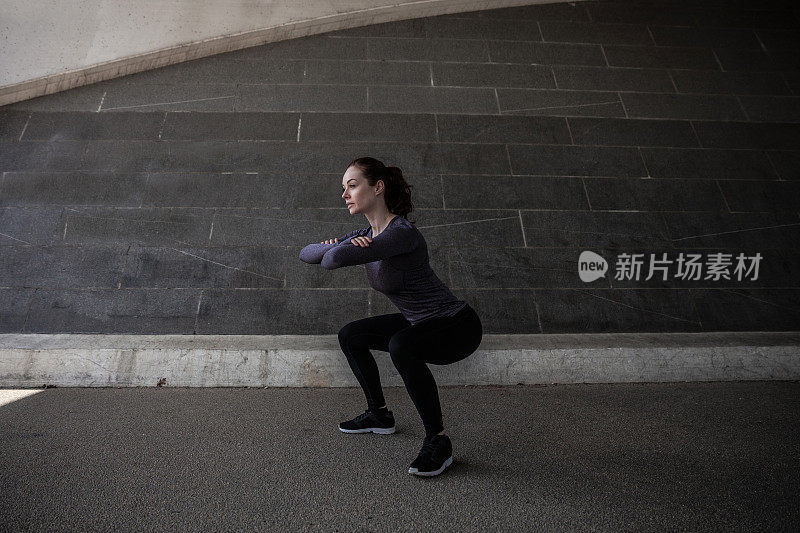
[
  {"x": 328, "y": 263},
  {"x": 329, "y": 260},
  {"x": 309, "y": 255}
]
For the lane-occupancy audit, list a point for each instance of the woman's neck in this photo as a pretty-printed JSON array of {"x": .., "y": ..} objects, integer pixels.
[{"x": 382, "y": 225}]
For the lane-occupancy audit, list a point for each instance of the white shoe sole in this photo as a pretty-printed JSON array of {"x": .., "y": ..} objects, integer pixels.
[
  {"x": 416, "y": 472},
  {"x": 381, "y": 431}
]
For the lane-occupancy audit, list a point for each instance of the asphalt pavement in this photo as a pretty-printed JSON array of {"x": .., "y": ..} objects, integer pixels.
[{"x": 597, "y": 457}]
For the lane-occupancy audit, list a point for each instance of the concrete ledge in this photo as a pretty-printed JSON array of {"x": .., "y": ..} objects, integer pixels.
[
  {"x": 285, "y": 23},
  {"x": 316, "y": 361}
]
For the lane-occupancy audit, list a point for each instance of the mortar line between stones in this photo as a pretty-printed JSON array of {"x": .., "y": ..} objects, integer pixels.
[
  {"x": 737, "y": 231},
  {"x": 772, "y": 164},
  {"x": 293, "y": 189},
  {"x": 25, "y": 127},
  {"x": 508, "y": 156},
  {"x": 488, "y": 85},
  {"x": 285, "y": 265},
  {"x": 161, "y": 128},
  {"x": 426, "y": 60},
  {"x": 247, "y": 170},
  {"x": 28, "y": 312},
  {"x": 788, "y": 86},
  {"x": 634, "y": 25},
  {"x": 169, "y": 103},
  {"x": 103, "y": 99},
  {"x": 534, "y": 266},
  {"x": 650, "y": 33},
  {"x": 617, "y": 101},
  {"x": 761, "y": 43},
  {"x": 586, "y": 192},
  {"x": 635, "y": 308},
  {"x": 223, "y": 264},
  {"x": 730, "y": 290},
  {"x": 569, "y": 130},
  {"x": 622, "y": 102},
  {"x": 299, "y": 124},
  {"x": 641, "y": 156},
  {"x": 197, "y": 315},
  {"x": 538, "y": 313},
  {"x": 696, "y": 136},
  {"x": 124, "y": 264},
  {"x": 15, "y": 239},
  {"x": 602, "y": 49},
  {"x": 509, "y": 288},
  {"x": 450, "y": 266},
  {"x": 210, "y": 233},
  {"x": 476, "y": 113},
  {"x": 718, "y": 61},
  {"x": 741, "y": 106},
  {"x": 672, "y": 79},
  {"x": 723, "y": 196},
  {"x": 86, "y": 215}
]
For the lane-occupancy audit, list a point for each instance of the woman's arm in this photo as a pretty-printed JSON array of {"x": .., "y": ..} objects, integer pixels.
[
  {"x": 313, "y": 253},
  {"x": 390, "y": 242}
]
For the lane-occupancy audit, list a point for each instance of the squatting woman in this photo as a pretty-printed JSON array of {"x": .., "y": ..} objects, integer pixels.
[{"x": 433, "y": 326}]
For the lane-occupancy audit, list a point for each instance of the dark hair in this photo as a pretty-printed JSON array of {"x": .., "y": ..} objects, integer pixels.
[{"x": 398, "y": 192}]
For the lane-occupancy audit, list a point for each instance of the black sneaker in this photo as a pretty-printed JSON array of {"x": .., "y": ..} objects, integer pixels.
[
  {"x": 436, "y": 455},
  {"x": 369, "y": 421}
]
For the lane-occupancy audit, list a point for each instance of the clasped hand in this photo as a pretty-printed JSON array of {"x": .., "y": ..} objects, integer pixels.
[{"x": 357, "y": 241}]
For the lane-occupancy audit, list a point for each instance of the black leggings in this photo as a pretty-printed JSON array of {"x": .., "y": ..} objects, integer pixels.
[{"x": 439, "y": 341}]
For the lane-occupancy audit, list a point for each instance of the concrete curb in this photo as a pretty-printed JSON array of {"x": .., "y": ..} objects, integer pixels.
[{"x": 66, "y": 360}]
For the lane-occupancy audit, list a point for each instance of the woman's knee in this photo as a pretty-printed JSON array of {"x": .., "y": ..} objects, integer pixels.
[
  {"x": 401, "y": 352},
  {"x": 397, "y": 345},
  {"x": 356, "y": 335},
  {"x": 346, "y": 335}
]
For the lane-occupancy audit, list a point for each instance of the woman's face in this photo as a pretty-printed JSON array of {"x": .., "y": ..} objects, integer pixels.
[{"x": 357, "y": 193}]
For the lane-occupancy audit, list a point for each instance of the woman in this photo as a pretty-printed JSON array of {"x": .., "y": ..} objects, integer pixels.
[{"x": 433, "y": 326}]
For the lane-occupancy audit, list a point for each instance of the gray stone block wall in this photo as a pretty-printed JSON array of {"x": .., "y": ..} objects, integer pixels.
[{"x": 177, "y": 200}]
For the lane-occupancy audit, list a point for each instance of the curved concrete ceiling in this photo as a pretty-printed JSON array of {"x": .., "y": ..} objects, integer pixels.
[{"x": 51, "y": 46}]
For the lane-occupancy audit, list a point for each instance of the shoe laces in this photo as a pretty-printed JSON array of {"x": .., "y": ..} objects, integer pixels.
[
  {"x": 428, "y": 447},
  {"x": 366, "y": 414}
]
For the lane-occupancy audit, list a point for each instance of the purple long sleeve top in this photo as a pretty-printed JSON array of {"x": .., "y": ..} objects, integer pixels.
[{"x": 397, "y": 265}]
